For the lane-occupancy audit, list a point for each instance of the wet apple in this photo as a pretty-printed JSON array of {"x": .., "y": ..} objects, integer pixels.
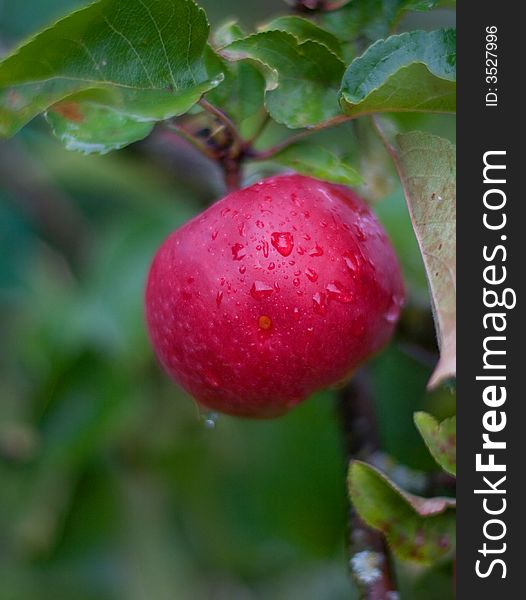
[{"x": 275, "y": 291}]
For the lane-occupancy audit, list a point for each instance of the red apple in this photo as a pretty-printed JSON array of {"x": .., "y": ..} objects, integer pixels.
[{"x": 272, "y": 293}]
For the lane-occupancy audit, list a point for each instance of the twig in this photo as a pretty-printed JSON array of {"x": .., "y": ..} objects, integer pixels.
[
  {"x": 279, "y": 147},
  {"x": 232, "y": 154},
  {"x": 385, "y": 139},
  {"x": 232, "y": 173},
  {"x": 186, "y": 135},
  {"x": 369, "y": 561},
  {"x": 284, "y": 144},
  {"x": 237, "y": 141}
]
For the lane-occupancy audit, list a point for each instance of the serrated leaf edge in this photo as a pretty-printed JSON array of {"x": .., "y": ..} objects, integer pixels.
[{"x": 355, "y": 100}]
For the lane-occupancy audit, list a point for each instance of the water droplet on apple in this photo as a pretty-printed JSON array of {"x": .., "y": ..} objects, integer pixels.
[
  {"x": 311, "y": 274},
  {"x": 393, "y": 312},
  {"x": 260, "y": 290},
  {"x": 319, "y": 303},
  {"x": 338, "y": 292},
  {"x": 351, "y": 262},
  {"x": 209, "y": 419},
  {"x": 283, "y": 242},
  {"x": 238, "y": 252},
  {"x": 360, "y": 235},
  {"x": 316, "y": 251}
]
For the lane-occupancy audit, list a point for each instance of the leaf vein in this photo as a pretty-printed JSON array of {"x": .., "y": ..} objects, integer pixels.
[{"x": 130, "y": 44}]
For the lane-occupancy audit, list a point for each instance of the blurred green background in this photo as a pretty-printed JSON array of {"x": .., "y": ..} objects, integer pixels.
[{"x": 111, "y": 486}]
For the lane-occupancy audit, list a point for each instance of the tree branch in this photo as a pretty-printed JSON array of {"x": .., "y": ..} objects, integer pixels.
[
  {"x": 196, "y": 142},
  {"x": 280, "y": 146},
  {"x": 369, "y": 558},
  {"x": 231, "y": 154},
  {"x": 238, "y": 143}
]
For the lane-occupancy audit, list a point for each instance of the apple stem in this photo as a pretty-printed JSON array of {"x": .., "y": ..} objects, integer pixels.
[
  {"x": 358, "y": 423},
  {"x": 229, "y": 150},
  {"x": 231, "y": 173}
]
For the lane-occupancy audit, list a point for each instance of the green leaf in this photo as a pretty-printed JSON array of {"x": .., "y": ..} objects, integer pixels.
[
  {"x": 335, "y": 4},
  {"x": 228, "y": 32},
  {"x": 423, "y": 5},
  {"x": 90, "y": 129},
  {"x": 242, "y": 93},
  {"x": 303, "y": 78},
  {"x": 369, "y": 20},
  {"x": 304, "y": 30},
  {"x": 142, "y": 73},
  {"x": 417, "y": 529},
  {"x": 427, "y": 167},
  {"x": 247, "y": 92},
  {"x": 318, "y": 162},
  {"x": 440, "y": 438},
  {"x": 412, "y": 72}
]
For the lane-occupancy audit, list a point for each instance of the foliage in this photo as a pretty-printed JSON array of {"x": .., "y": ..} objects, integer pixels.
[
  {"x": 319, "y": 162},
  {"x": 111, "y": 486},
  {"x": 408, "y": 72},
  {"x": 440, "y": 438},
  {"x": 427, "y": 166},
  {"x": 417, "y": 529}
]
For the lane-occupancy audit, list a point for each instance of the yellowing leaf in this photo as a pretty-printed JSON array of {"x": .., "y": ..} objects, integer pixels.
[
  {"x": 417, "y": 529},
  {"x": 440, "y": 438},
  {"x": 427, "y": 167}
]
